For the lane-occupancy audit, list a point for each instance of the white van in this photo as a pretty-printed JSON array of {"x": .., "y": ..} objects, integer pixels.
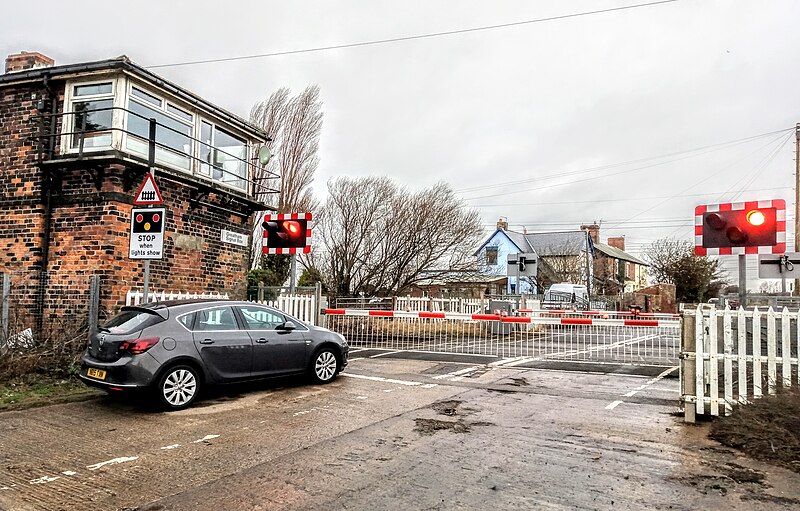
[{"x": 565, "y": 294}]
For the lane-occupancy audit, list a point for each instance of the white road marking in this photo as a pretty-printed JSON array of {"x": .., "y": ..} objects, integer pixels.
[
  {"x": 44, "y": 479},
  {"x": 384, "y": 354},
  {"x": 207, "y": 437},
  {"x": 115, "y": 461},
  {"x": 429, "y": 385},
  {"x": 378, "y": 378},
  {"x": 361, "y": 397},
  {"x": 640, "y": 388},
  {"x": 168, "y": 447},
  {"x": 456, "y": 373},
  {"x": 69, "y": 473},
  {"x": 357, "y": 350},
  {"x": 521, "y": 360},
  {"x": 505, "y": 361}
]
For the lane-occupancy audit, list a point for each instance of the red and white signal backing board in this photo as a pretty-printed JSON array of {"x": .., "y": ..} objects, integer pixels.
[
  {"x": 282, "y": 217},
  {"x": 779, "y": 205}
]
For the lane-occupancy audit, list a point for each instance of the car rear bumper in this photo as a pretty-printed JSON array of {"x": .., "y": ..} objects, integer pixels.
[{"x": 130, "y": 372}]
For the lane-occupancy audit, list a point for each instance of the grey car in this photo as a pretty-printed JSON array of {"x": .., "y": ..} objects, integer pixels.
[{"x": 175, "y": 348}]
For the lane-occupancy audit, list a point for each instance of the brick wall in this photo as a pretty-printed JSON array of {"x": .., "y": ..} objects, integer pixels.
[{"x": 91, "y": 222}]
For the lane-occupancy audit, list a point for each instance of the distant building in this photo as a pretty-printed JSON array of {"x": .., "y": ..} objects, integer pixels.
[
  {"x": 575, "y": 257},
  {"x": 74, "y": 150}
]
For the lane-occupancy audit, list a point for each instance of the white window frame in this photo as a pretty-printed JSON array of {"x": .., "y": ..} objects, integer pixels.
[
  {"x": 121, "y": 95},
  {"x": 162, "y": 109},
  {"x": 68, "y": 122},
  {"x": 247, "y": 157}
]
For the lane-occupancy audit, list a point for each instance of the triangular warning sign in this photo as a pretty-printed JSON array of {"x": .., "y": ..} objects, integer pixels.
[{"x": 148, "y": 193}]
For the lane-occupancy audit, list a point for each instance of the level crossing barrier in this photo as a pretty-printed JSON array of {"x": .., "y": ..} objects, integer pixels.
[{"x": 626, "y": 340}]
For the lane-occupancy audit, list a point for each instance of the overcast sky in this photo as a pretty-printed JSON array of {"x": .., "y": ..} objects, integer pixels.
[{"x": 515, "y": 119}]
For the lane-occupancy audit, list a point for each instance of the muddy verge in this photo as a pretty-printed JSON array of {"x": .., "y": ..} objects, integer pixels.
[{"x": 767, "y": 429}]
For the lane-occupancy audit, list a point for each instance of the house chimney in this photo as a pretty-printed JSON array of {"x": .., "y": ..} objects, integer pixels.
[
  {"x": 594, "y": 231},
  {"x": 618, "y": 242},
  {"x": 502, "y": 223},
  {"x": 26, "y": 60}
]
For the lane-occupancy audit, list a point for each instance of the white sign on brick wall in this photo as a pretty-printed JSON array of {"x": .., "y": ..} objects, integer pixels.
[{"x": 234, "y": 238}]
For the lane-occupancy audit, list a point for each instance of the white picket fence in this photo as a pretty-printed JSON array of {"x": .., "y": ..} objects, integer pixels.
[
  {"x": 136, "y": 297},
  {"x": 730, "y": 357},
  {"x": 420, "y": 304},
  {"x": 303, "y": 307}
]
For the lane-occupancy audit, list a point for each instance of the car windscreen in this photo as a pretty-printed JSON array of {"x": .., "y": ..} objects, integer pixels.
[{"x": 131, "y": 320}]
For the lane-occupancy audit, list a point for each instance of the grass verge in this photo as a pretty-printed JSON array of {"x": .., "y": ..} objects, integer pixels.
[
  {"x": 39, "y": 390},
  {"x": 767, "y": 429}
]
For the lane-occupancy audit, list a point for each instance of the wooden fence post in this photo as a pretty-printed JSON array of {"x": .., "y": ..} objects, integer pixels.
[
  {"x": 6, "y": 297},
  {"x": 94, "y": 302},
  {"x": 687, "y": 370}
]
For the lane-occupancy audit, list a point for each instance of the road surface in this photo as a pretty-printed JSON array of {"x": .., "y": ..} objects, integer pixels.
[{"x": 390, "y": 433}]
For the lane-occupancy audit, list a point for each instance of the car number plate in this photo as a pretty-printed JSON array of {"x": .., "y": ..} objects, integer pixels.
[{"x": 96, "y": 373}]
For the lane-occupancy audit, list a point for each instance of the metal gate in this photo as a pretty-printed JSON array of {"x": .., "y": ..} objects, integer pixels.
[{"x": 599, "y": 337}]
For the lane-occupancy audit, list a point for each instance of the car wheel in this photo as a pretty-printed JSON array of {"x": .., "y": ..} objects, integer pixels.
[
  {"x": 324, "y": 366},
  {"x": 178, "y": 387}
]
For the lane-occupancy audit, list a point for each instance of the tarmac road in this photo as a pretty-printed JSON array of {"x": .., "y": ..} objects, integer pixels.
[{"x": 390, "y": 433}]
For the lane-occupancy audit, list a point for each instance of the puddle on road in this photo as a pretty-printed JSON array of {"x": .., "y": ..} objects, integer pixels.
[{"x": 449, "y": 408}]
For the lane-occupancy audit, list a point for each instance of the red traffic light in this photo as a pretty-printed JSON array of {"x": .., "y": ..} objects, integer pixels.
[
  {"x": 756, "y": 217},
  {"x": 292, "y": 227},
  {"x": 740, "y": 228},
  {"x": 750, "y": 227}
]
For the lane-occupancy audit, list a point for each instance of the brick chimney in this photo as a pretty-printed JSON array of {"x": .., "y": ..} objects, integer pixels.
[
  {"x": 502, "y": 223},
  {"x": 618, "y": 242},
  {"x": 594, "y": 231},
  {"x": 26, "y": 60}
]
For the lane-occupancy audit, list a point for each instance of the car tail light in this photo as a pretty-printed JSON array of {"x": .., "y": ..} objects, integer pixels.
[{"x": 138, "y": 346}]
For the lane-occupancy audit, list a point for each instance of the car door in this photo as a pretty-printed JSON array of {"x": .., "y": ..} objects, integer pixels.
[
  {"x": 225, "y": 348},
  {"x": 275, "y": 351}
]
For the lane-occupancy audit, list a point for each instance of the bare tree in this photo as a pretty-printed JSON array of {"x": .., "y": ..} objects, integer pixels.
[
  {"x": 380, "y": 237},
  {"x": 295, "y": 126},
  {"x": 674, "y": 262}
]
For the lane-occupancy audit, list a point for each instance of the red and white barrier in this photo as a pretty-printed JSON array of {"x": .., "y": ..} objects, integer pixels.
[{"x": 541, "y": 320}]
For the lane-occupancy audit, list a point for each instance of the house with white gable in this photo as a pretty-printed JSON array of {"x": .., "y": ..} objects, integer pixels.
[{"x": 564, "y": 256}]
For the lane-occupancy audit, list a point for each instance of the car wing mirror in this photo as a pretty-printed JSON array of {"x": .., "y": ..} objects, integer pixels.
[{"x": 288, "y": 326}]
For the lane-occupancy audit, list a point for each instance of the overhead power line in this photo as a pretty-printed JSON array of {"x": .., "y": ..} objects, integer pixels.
[
  {"x": 692, "y": 153},
  {"x": 627, "y": 199},
  {"x": 719, "y": 145},
  {"x": 429, "y": 35}
]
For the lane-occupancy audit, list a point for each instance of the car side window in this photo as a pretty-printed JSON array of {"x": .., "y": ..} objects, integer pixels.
[
  {"x": 209, "y": 320},
  {"x": 256, "y": 318},
  {"x": 187, "y": 320}
]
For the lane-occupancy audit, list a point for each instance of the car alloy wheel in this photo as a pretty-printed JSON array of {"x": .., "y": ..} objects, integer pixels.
[
  {"x": 179, "y": 387},
  {"x": 325, "y": 366}
]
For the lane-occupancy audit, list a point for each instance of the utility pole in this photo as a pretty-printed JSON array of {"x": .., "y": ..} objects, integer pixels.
[{"x": 797, "y": 199}]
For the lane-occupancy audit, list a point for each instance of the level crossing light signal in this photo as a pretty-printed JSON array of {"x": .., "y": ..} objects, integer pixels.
[
  {"x": 740, "y": 228},
  {"x": 286, "y": 234}
]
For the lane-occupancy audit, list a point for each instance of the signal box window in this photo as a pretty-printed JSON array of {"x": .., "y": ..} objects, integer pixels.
[
  {"x": 92, "y": 106},
  {"x": 491, "y": 256}
]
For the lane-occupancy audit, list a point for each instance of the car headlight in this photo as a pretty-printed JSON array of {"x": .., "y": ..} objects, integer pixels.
[{"x": 341, "y": 337}]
